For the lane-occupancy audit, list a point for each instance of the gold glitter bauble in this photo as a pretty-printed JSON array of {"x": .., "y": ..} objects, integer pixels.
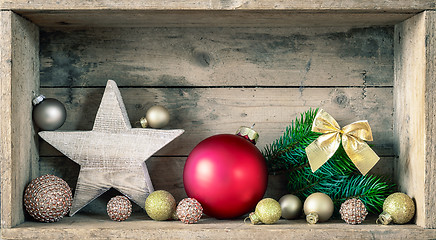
[
  {"x": 160, "y": 205},
  {"x": 318, "y": 207},
  {"x": 157, "y": 117},
  {"x": 267, "y": 211},
  {"x": 397, "y": 208},
  {"x": 291, "y": 206}
]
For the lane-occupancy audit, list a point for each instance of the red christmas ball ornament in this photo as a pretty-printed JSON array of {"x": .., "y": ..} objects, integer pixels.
[{"x": 227, "y": 174}]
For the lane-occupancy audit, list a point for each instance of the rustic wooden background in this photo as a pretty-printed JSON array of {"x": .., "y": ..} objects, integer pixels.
[{"x": 214, "y": 80}]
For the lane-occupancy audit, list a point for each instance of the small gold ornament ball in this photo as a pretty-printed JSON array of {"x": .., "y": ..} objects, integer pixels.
[
  {"x": 160, "y": 205},
  {"x": 397, "y": 208},
  {"x": 291, "y": 206},
  {"x": 268, "y": 211},
  {"x": 157, "y": 117},
  {"x": 318, "y": 207}
]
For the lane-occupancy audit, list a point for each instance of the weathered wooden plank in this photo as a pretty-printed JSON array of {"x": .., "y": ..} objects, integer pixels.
[
  {"x": 167, "y": 174},
  {"x": 218, "y": 57},
  {"x": 19, "y": 81},
  {"x": 300, "y": 5},
  {"x": 409, "y": 100},
  {"x": 203, "y": 112},
  {"x": 271, "y": 18},
  {"x": 140, "y": 227},
  {"x": 415, "y": 113},
  {"x": 430, "y": 120},
  {"x": 6, "y": 117}
]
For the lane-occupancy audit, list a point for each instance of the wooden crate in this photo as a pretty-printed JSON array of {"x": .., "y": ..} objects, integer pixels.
[{"x": 217, "y": 65}]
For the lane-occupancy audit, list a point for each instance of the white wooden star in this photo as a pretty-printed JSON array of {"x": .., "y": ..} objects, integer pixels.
[{"x": 113, "y": 154}]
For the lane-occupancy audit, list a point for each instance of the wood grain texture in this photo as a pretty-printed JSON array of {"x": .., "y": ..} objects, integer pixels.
[
  {"x": 204, "y": 112},
  {"x": 19, "y": 82},
  {"x": 218, "y": 57},
  {"x": 6, "y": 118},
  {"x": 414, "y": 115},
  {"x": 183, "y": 18},
  {"x": 409, "y": 100},
  {"x": 430, "y": 120},
  {"x": 301, "y": 5},
  {"x": 138, "y": 226}
]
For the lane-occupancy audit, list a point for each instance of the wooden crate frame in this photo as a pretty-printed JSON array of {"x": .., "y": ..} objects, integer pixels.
[{"x": 414, "y": 85}]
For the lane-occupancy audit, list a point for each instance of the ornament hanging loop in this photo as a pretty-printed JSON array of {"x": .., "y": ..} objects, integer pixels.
[
  {"x": 38, "y": 99},
  {"x": 312, "y": 218},
  {"x": 254, "y": 218},
  {"x": 385, "y": 218},
  {"x": 248, "y": 133}
]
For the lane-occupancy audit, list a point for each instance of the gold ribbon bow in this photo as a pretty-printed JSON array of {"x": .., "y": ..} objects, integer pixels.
[{"x": 353, "y": 137}]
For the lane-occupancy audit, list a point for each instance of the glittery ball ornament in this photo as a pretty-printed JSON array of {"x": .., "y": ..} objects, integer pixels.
[
  {"x": 160, "y": 205},
  {"x": 119, "y": 208},
  {"x": 353, "y": 211},
  {"x": 268, "y": 211},
  {"x": 397, "y": 208},
  {"x": 48, "y": 198},
  {"x": 189, "y": 210}
]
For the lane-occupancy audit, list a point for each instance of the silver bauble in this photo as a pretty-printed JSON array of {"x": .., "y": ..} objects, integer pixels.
[
  {"x": 318, "y": 207},
  {"x": 49, "y": 114},
  {"x": 291, "y": 206},
  {"x": 157, "y": 117}
]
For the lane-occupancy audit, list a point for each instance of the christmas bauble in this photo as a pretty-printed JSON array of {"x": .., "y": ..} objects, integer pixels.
[
  {"x": 157, "y": 117},
  {"x": 227, "y": 174},
  {"x": 397, "y": 208},
  {"x": 119, "y": 208},
  {"x": 268, "y": 211},
  {"x": 318, "y": 207},
  {"x": 48, "y": 198},
  {"x": 48, "y": 113},
  {"x": 353, "y": 211},
  {"x": 160, "y": 205},
  {"x": 189, "y": 210},
  {"x": 291, "y": 206}
]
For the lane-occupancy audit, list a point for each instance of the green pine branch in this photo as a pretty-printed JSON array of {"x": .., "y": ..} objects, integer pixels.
[
  {"x": 338, "y": 177},
  {"x": 372, "y": 190},
  {"x": 287, "y": 151}
]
